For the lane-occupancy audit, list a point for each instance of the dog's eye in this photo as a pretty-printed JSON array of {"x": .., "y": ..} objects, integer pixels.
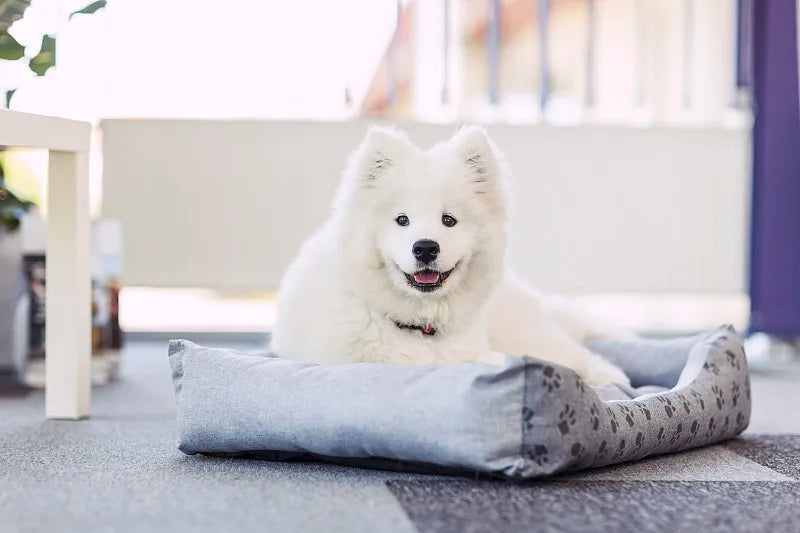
[
  {"x": 402, "y": 220},
  {"x": 449, "y": 221}
]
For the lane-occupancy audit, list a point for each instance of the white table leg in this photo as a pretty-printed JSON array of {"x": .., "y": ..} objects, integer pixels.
[{"x": 68, "y": 298}]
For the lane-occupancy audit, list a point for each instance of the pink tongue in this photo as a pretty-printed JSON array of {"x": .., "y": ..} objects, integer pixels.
[{"x": 426, "y": 277}]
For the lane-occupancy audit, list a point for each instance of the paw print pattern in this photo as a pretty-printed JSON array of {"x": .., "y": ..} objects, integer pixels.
[
  {"x": 712, "y": 426},
  {"x": 638, "y": 442},
  {"x": 725, "y": 425},
  {"x": 620, "y": 449},
  {"x": 594, "y": 417},
  {"x": 686, "y": 406},
  {"x": 734, "y": 394},
  {"x": 577, "y": 451},
  {"x": 740, "y": 422},
  {"x": 699, "y": 399},
  {"x": 676, "y": 435},
  {"x": 612, "y": 419},
  {"x": 669, "y": 409},
  {"x": 733, "y": 360},
  {"x": 602, "y": 451},
  {"x": 693, "y": 429},
  {"x": 627, "y": 413},
  {"x": 566, "y": 419},
  {"x": 718, "y": 396},
  {"x": 539, "y": 454},
  {"x": 735, "y": 391},
  {"x": 645, "y": 412},
  {"x": 527, "y": 417},
  {"x": 551, "y": 379},
  {"x": 579, "y": 385}
]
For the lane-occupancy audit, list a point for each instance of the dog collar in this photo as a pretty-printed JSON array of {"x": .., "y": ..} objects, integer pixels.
[{"x": 426, "y": 330}]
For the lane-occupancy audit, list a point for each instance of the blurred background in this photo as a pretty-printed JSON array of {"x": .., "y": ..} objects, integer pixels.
[{"x": 220, "y": 131}]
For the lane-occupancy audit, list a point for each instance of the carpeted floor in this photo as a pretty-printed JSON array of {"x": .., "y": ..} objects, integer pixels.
[{"x": 120, "y": 471}]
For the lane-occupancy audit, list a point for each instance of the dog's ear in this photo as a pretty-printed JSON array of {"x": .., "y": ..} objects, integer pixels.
[
  {"x": 381, "y": 150},
  {"x": 475, "y": 150}
]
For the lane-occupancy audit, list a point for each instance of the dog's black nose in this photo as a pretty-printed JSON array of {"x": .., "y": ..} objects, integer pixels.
[{"x": 425, "y": 250}]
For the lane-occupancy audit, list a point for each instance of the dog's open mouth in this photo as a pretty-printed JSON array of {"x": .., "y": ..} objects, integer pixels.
[{"x": 428, "y": 280}]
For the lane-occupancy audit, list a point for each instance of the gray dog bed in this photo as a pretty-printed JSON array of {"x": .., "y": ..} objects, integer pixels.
[{"x": 526, "y": 419}]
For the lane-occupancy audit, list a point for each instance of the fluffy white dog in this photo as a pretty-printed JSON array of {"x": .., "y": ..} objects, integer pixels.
[{"x": 410, "y": 268}]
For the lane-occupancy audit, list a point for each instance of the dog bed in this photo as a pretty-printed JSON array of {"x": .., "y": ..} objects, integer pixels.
[{"x": 526, "y": 419}]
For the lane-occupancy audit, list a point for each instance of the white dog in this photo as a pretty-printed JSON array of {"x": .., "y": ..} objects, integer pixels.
[{"x": 410, "y": 268}]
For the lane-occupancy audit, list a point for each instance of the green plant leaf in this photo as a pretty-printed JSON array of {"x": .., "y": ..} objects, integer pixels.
[
  {"x": 46, "y": 58},
  {"x": 11, "y": 11},
  {"x": 12, "y": 209},
  {"x": 89, "y": 9},
  {"x": 9, "y": 95},
  {"x": 8, "y": 220},
  {"x": 10, "y": 49},
  {"x": 10, "y": 200}
]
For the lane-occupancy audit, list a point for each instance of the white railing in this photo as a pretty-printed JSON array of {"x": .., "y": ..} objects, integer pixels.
[
  {"x": 68, "y": 307},
  {"x": 226, "y": 204},
  {"x": 644, "y": 62}
]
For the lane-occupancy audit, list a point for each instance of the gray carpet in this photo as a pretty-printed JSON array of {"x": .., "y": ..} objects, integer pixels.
[
  {"x": 120, "y": 471},
  {"x": 601, "y": 506}
]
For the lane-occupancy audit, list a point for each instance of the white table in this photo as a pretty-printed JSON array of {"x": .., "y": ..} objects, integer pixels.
[{"x": 68, "y": 297}]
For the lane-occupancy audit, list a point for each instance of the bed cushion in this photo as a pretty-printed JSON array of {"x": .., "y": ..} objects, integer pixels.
[{"x": 526, "y": 419}]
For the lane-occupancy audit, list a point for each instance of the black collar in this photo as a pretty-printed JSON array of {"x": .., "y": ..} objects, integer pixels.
[{"x": 426, "y": 330}]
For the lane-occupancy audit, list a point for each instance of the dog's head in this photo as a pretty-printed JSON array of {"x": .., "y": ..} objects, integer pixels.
[{"x": 430, "y": 220}]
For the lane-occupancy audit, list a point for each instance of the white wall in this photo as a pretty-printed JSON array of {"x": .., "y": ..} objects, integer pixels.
[{"x": 225, "y": 204}]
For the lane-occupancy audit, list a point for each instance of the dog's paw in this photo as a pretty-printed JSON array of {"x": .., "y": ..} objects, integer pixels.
[{"x": 600, "y": 372}]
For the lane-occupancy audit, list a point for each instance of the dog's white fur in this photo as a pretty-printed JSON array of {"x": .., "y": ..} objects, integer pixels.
[{"x": 340, "y": 299}]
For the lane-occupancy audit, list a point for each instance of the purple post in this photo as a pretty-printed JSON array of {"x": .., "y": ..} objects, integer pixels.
[
  {"x": 775, "y": 241},
  {"x": 493, "y": 50}
]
